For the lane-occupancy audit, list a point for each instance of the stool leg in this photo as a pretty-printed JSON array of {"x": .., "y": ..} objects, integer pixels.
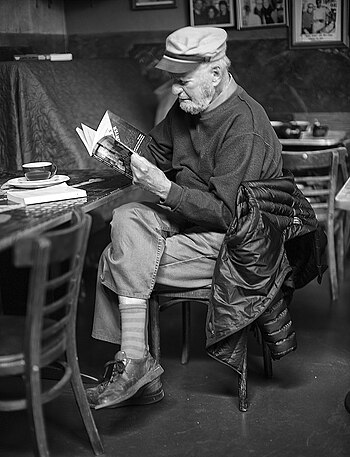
[
  {"x": 267, "y": 359},
  {"x": 186, "y": 331},
  {"x": 242, "y": 384},
  {"x": 154, "y": 328}
]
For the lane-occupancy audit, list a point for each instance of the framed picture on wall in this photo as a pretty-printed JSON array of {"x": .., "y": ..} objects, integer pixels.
[
  {"x": 261, "y": 13},
  {"x": 152, "y": 4},
  {"x": 319, "y": 23},
  {"x": 217, "y": 13}
]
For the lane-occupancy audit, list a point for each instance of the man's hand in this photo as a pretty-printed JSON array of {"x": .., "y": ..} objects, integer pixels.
[{"x": 149, "y": 177}]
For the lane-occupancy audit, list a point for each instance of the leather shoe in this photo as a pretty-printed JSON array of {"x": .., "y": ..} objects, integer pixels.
[
  {"x": 148, "y": 394},
  {"x": 129, "y": 376},
  {"x": 92, "y": 393}
]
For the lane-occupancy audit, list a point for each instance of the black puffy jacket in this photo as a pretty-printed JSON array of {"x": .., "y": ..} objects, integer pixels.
[{"x": 273, "y": 245}]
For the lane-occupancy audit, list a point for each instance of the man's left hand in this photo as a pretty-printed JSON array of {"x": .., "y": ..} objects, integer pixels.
[{"x": 149, "y": 177}]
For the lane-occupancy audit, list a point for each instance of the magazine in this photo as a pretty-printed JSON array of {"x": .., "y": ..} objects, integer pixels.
[{"x": 113, "y": 142}]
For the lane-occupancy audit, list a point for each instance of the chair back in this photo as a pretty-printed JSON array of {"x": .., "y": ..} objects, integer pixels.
[
  {"x": 319, "y": 175},
  {"x": 55, "y": 261}
]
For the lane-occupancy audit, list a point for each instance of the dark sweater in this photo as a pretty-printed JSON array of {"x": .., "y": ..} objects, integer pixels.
[{"x": 211, "y": 154}]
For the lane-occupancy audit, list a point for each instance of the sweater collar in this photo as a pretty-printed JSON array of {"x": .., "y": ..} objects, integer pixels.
[{"x": 225, "y": 94}]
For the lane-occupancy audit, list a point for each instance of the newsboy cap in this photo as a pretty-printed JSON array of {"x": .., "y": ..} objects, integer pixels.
[{"x": 188, "y": 47}]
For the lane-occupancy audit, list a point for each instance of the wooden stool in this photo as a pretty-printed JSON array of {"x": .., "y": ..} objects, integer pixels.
[{"x": 160, "y": 301}]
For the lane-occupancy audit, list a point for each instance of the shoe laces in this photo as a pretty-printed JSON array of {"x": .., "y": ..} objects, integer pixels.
[
  {"x": 109, "y": 372},
  {"x": 120, "y": 363}
]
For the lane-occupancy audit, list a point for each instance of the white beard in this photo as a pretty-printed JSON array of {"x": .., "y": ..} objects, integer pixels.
[{"x": 200, "y": 105}]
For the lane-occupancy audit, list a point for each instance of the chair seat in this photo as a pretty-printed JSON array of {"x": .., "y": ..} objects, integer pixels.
[{"x": 172, "y": 292}]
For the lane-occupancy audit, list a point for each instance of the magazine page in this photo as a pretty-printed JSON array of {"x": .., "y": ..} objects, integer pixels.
[
  {"x": 104, "y": 129},
  {"x": 83, "y": 139},
  {"x": 89, "y": 134},
  {"x": 108, "y": 151}
]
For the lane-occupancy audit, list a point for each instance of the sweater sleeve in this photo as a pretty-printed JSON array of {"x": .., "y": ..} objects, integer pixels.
[
  {"x": 160, "y": 149},
  {"x": 239, "y": 159}
]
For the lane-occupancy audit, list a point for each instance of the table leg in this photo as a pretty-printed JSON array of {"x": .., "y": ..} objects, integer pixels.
[{"x": 347, "y": 402}]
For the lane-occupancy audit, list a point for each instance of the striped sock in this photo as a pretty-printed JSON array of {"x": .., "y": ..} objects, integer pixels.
[{"x": 133, "y": 323}]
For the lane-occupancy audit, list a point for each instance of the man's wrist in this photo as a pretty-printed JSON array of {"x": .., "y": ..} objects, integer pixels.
[{"x": 164, "y": 191}]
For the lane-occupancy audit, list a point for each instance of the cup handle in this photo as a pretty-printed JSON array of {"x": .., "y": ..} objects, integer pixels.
[{"x": 54, "y": 170}]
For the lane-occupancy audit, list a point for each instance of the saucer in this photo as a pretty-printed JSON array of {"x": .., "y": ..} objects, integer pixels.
[{"x": 25, "y": 184}]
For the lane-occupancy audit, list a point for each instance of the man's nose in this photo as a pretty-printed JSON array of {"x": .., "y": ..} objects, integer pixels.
[{"x": 176, "y": 89}]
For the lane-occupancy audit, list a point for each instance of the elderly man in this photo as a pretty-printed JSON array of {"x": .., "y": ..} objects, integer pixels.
[
  {"x": 214, "y": 137},
  {"x": 307, "y": 20},
  {"x": 321, "y": 13}
]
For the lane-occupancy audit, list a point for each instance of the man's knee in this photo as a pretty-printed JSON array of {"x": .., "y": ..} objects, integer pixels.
[{"x": 129, "y": 217}]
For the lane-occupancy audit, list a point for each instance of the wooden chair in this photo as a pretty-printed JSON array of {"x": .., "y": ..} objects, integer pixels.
[
  {"x": 160, "y": 301},
  {"x": 46, "y": 334},
  {"x": 320, "y": 175}
]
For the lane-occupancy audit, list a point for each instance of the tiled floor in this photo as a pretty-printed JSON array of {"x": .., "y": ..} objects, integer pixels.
[{"x": 298, "y": 413}]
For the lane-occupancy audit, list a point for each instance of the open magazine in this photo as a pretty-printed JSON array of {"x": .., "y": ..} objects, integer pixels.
[{"x": 113, "y": 142}]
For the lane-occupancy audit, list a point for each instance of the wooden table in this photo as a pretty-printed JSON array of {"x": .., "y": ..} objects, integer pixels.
[
  {"x": 308, "y": 141},
  {"x": 105, "y": 186}
]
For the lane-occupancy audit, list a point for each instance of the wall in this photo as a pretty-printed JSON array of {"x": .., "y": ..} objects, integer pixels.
[
  {"x": 32, "y": 26},
  {"x": 35, "y": 16},
  {"x": 115, "y": 16},
  {"x": 283, "y": 80},
  {"x": 106, "y": 16}
]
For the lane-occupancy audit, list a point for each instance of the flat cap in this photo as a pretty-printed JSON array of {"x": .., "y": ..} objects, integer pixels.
[{"x": 188, "y": 47}]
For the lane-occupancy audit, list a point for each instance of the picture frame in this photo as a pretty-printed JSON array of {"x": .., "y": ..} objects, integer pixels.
[
  {"x": 152, "y": 4},
  {"x": 213, "y": 13},
  {"x": 310, "y": 28},
  {"x": 252, "y": 14}
]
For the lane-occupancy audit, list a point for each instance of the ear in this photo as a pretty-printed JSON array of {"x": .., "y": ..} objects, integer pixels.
[{"x": 217, "y": 75}]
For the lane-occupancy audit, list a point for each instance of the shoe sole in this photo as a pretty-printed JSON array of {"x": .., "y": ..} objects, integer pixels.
[
  {"x": 150, "y": 376},
  {"x": 146, "y": 395},
  {"x": 140, "y": 401},
  {"x": 139, "y": 398}
]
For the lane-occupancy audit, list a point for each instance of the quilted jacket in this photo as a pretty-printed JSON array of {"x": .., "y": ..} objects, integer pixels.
[{"x": 273, "y": 245}]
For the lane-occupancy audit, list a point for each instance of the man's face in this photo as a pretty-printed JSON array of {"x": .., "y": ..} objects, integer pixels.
[
  {"x": 195, "y": 89},
  {"x": 198, "y": 5}
]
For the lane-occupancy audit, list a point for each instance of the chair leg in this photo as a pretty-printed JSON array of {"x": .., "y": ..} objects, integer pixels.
[
  {"x": 35, "y": 413},
  {"x": 340, "y": 252},
  {"x": 186, "y": 332},
  {"x": 242, "y": 383},
  {"x": 154, "y": 327},
  {"x": 332, "y": 264},
  {"x": 80, "y": 397},
  {"x": 267, "y": 359}
]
